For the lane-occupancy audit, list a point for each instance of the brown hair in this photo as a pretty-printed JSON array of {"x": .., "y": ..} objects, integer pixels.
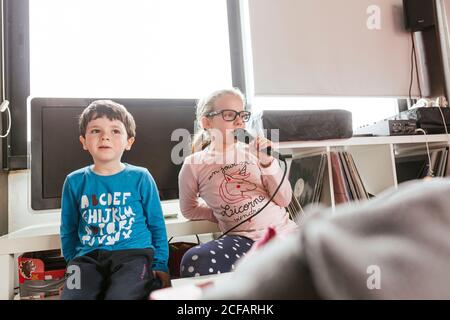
[{"x": 110, "y": 109}]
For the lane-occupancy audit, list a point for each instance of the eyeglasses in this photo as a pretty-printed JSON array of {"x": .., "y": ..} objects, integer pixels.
[{"x": 230, "y": 115}]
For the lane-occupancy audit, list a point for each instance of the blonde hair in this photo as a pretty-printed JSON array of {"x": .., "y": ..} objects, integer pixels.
[{"x": 202, "y": 137}]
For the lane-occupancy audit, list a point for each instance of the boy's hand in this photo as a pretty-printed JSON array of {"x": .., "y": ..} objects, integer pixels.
[{"x": 164, "y": 277}]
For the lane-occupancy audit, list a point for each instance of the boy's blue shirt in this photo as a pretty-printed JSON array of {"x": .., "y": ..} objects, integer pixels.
[{"x": 116, "y": 212}]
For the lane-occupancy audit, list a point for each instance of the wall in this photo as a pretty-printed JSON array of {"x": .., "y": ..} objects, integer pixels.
[
  {"x": 20, "y": 213},
  {"x": 3, "y": 202}
]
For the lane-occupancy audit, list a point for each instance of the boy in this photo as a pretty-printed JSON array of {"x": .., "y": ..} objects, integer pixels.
[{"x": 112, "y": 228}]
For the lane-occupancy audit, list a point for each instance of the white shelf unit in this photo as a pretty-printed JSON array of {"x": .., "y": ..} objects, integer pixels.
[{"x": 374, "y": 158}]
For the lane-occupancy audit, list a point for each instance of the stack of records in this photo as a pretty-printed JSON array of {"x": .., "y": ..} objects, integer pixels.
[
  {"x": 347, "y": 183},
  {"x": 306, "y": 178},
  {"x": 413, "y": 163}
]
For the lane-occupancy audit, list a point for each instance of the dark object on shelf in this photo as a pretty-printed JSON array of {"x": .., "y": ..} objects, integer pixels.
[
  {"x": 301, "y": 125},
  {"x": 428, "y": 118}
]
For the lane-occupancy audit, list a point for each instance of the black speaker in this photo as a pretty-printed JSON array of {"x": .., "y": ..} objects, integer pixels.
[
  {"x": 419, "y": 14},
  {"x": 296, "y": 125}
]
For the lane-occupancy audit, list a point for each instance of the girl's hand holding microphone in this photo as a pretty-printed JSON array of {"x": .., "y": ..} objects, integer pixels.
[{"x": 259, "y": 147}]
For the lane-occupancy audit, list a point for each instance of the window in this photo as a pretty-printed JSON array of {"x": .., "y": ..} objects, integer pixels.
[{"x": 128, "y": 49}]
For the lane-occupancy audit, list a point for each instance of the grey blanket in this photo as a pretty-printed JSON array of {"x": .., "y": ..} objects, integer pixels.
[{"x": 395, "y": 246}]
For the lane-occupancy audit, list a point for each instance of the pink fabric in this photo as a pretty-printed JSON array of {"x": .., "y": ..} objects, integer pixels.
[
  {"x": 268, "y": 235},
  {"x": 232, "y": 186}
]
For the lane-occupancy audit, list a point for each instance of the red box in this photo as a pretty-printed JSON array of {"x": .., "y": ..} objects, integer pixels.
[{"x": 41, "y": 274}]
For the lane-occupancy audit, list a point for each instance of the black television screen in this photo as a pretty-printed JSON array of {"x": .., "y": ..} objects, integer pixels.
[{"x": 56, "y": 150}]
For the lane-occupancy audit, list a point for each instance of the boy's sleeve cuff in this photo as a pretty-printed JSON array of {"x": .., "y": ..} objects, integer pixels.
[{"x": 160, "y": 267}]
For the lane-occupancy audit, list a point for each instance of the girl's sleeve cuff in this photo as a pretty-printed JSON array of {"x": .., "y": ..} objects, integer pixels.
[{"x": 272, "y": 169}]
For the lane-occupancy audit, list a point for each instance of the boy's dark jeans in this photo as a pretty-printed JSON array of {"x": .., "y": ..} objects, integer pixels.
[{"x": 112, "y": 275}]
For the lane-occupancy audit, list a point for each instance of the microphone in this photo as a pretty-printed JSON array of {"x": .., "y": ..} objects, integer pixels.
[{"x": 244, "y": 136}]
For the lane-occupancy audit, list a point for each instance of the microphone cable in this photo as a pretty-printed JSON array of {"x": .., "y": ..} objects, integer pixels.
[
  {"x": 4, "y": 106},
  {"x": 265, "y": 205}
]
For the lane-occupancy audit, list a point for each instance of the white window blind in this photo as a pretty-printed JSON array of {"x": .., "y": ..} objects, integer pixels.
[{"x": 330, "y": 48}]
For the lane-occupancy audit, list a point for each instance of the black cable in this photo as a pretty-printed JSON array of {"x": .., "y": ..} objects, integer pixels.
[{"x": 265, "y": 205}]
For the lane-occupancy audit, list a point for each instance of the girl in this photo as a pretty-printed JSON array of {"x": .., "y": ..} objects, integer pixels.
[{"x": 234, "y": 180}]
